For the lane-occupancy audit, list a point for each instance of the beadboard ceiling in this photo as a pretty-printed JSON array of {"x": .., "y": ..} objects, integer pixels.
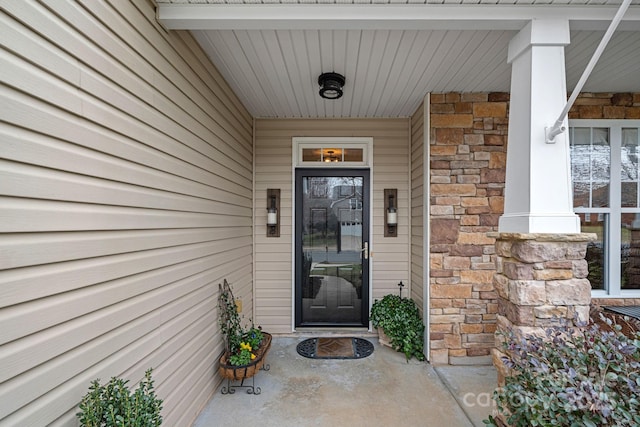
[{"x": 391, "y": 55}]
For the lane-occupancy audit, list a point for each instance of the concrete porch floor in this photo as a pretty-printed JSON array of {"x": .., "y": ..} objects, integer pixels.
[{"x": 380, "y": 390}]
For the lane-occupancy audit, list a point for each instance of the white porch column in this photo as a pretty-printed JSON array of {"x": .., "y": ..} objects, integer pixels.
[{"x": 538, "y": 194}]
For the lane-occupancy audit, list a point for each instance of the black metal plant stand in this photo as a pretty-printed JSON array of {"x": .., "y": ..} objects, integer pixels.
[{"x": 251, "y": 389}]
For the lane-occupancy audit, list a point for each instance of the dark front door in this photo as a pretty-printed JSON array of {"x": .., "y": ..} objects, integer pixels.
[{"x": 332, "y": 238}]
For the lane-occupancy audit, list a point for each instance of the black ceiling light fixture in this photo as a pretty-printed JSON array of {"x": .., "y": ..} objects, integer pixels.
[{"x": 331, "y": 85}]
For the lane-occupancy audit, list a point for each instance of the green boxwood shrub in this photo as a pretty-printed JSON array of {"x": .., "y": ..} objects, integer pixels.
[
  {"x": 571, "y": 377},
  {"x": 399, "y": 318},
  {"x": 113, "y": 405}
]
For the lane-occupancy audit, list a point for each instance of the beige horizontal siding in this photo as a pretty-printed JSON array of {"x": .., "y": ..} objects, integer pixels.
[
  {"x": 417, "y": 206},
  {"x": 390, "y": 260},
  {"x": 419, "y": 216},
  {"x": 126, "y": 185}
]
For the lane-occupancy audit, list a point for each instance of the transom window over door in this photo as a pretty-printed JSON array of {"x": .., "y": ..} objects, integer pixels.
[
  {"x": 349, "y": 152},
  {"x": 605, "y": 173}
]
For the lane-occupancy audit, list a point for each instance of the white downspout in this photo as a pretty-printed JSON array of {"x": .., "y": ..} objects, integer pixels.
[{"x": 558, "y": 127}]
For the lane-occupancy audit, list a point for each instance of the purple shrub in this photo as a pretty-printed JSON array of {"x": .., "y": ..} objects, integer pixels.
[{"x": 571, "y": 377}]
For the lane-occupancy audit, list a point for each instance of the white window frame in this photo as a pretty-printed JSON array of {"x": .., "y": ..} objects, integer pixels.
[
  {"x": 614, "y": 211},
  {"x": 365, "y": 143}
]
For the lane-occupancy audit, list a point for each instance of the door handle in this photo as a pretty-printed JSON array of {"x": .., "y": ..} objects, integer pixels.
[{"x": 365, "y": 250}]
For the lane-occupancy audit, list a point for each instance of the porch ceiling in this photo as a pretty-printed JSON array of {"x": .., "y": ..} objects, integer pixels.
[{"x": 391, "y": 54}]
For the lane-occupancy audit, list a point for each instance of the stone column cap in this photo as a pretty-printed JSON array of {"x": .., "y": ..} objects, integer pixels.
[{"x": 545, "y": 237}]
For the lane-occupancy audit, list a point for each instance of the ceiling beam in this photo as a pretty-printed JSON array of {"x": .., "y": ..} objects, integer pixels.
[{"x": 383, "y": 17}]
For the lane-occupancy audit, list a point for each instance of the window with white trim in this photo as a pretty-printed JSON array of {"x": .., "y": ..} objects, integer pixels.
[
  {"x": 325, "y": 152},
  {"x": 605, "y": 174}
]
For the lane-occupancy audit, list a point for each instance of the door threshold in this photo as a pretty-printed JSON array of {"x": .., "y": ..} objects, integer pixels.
[{"x": 328, "y": 331}]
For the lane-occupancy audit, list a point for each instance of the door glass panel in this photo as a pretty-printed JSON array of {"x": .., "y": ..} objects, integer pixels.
[{"x": 332, "y": 241}]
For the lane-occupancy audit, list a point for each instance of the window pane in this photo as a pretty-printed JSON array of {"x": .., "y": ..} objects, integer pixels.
[
  {"x": 600, "y": 154},
  {"x": 581, "y": 195},
  {"x": 580, "y": 158},
  {"x": 594, "y": 223},
  {"x": 630, "y": 251},
  {"x": 629, "y": 156},
  {"x": 581, "y": 136},
  {"x": 629, "y": 167},
  {"x": 629, "y": 194},
  {"x": 353, "y": 155},
  {"x": 599, "y": 195},
  {"x": 629, "y": 137},
  {"x": 332, "y": 155},
  {"x": 600, "y": 163},
  {"x": 590, "y": 166},
  {"x": 600, "y": 136},
  {"x": 311, "y": 155}
]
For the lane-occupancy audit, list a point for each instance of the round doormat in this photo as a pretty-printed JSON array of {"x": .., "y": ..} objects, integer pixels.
[{"x": 335, "y": 348}]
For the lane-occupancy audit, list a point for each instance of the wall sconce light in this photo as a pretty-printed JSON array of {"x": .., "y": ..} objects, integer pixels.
[
  {"x": 331, "y": 85},
  {"x": 273, "y": 212},
  {"x": 390, "y": 212}
]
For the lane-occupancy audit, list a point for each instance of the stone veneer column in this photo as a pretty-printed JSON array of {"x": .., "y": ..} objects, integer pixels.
[
  {"x": 539, "y": 279},
  {"x": 466, "y": 181}
]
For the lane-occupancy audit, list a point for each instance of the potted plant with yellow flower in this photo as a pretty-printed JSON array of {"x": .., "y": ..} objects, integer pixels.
[{"x": 245, "y": 349}]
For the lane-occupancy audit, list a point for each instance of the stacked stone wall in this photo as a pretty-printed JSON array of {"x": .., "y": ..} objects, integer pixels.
[
  {"x": 467, "y": 174},
  {"x": 467, "y": 166},
  {"x": 606, "y": 106},
  {"x": 616, "y": 302}
]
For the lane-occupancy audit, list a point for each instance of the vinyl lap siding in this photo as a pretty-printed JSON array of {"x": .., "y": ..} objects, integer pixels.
[
  {"x": 420, "y": 215},
  {"x": 273, "y": 301},
  {"x": 417, "y": 206},
  {"x": 125, "y": 198},
  {"x": 391, "y": 160},
  {"x": 274, "y": 170}
]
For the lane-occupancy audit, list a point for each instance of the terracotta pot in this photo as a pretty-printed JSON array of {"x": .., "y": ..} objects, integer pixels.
[{"x": 384, "y": 338}]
